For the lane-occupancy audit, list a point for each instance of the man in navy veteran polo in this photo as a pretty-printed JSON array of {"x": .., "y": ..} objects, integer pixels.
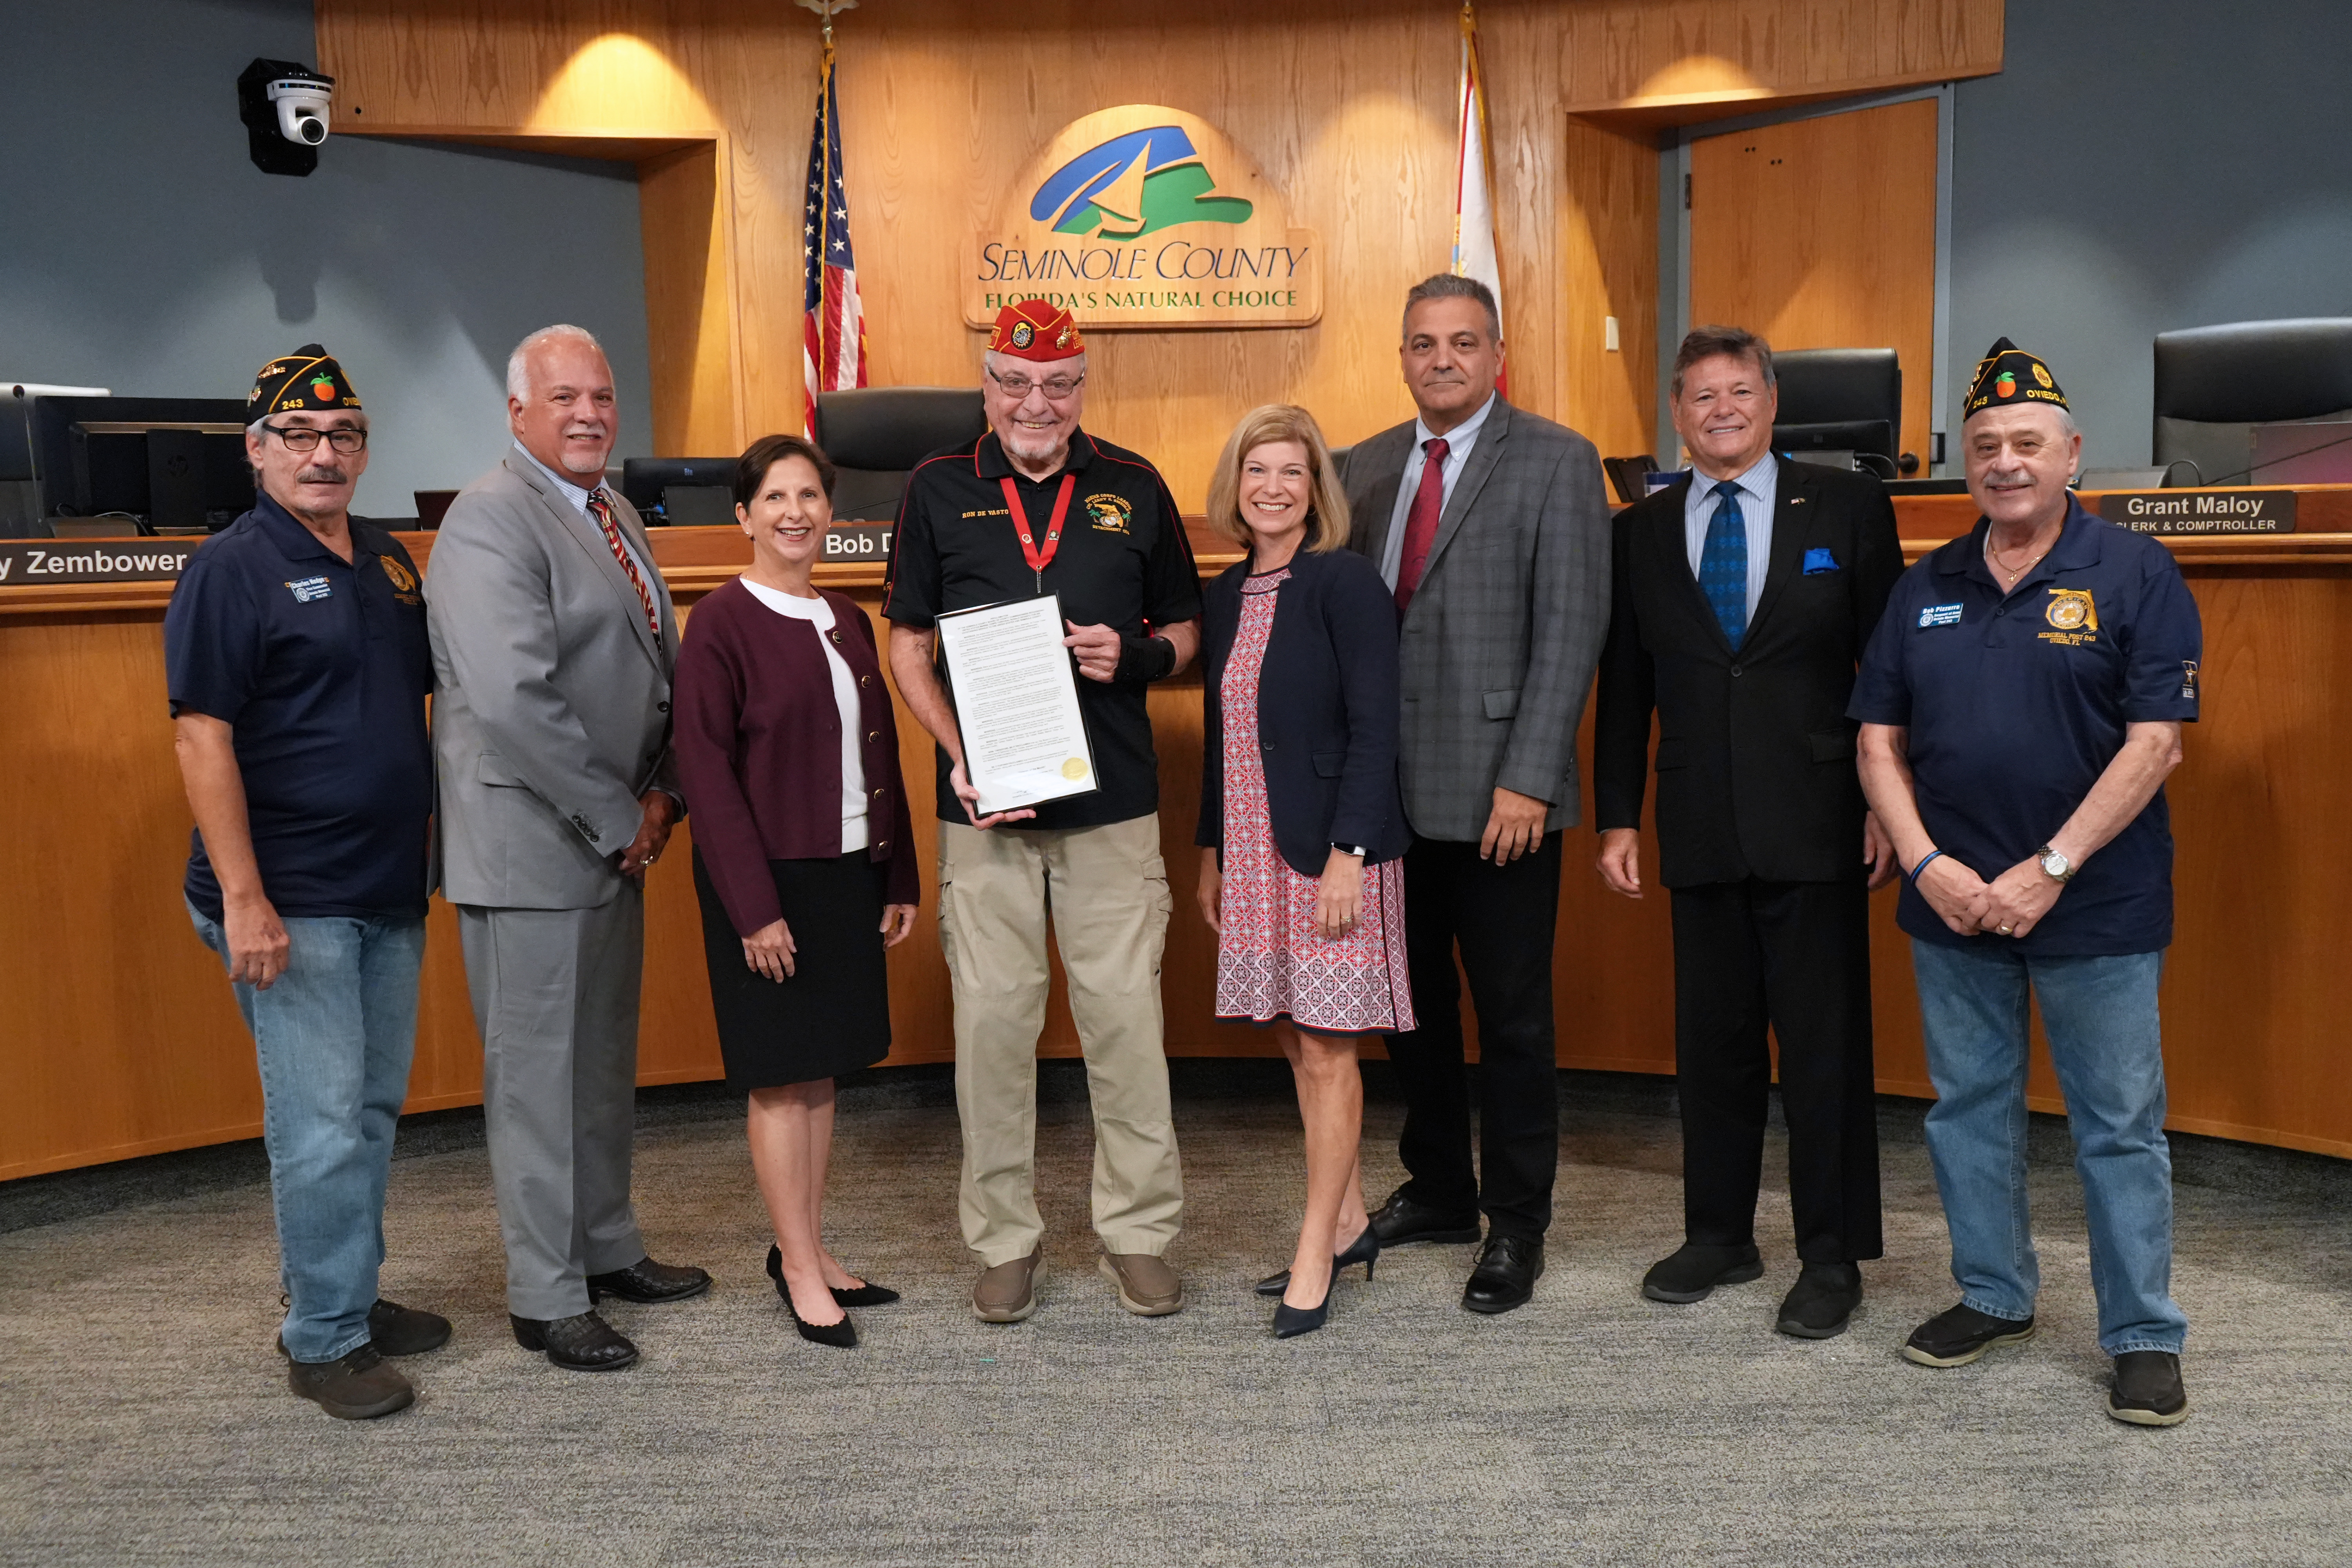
[
  {"x": 2020, "y": 706},
  {"x": 1744, "y": 595},
  {"x": 296, "y": 654}
]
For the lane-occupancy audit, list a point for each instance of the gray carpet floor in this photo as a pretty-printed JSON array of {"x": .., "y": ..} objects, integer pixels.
[{"x": 143, "y": 1416}]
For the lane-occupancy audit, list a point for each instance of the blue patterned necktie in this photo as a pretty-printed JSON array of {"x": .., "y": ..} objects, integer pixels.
[{"x": 1723, "y": 564}]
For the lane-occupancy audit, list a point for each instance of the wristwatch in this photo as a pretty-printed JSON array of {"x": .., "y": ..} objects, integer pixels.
[
  {"x": 1357, "y": 850},
  {"x": 2054, "y": 865}
]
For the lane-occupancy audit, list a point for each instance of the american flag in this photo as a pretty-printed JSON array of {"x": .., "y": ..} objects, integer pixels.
[{"x": 834, "y": 343}]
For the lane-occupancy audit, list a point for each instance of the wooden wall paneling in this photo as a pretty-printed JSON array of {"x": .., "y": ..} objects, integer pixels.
[
  {"x": 1646, "y": 64},
  {"x": 1608, "y": 251},
  {"x": 1820, "y": 233},
  {"x": 687, "y": 213}
]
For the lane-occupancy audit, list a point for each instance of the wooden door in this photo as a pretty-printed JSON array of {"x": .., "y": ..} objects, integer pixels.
[{"x": 1820, "y": 234}]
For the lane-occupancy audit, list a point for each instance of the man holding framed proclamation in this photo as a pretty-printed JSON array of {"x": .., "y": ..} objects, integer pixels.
[{"x": 1038, "y": 507}]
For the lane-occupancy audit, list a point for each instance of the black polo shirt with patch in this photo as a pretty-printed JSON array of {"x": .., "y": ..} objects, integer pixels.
[
  {"x": 1123, "y": 562},
  {"x": 2016, "y": 703},
  {"x": 320, "y": 667}
]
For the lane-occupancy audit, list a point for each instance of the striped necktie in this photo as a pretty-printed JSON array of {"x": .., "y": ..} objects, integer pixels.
[
  {"x": 602, "y": 511},
  {"x": 1723, "y": 564}
]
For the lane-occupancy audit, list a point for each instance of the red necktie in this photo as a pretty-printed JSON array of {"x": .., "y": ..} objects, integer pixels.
[
  {"x": 1420, "y": 522},
  {"x": 602, "y": 511}
]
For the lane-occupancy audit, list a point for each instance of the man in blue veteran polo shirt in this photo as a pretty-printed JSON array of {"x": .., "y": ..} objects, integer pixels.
[
  {"x": 296, "y": 654},
  {"x": 2021, "y": 707}
]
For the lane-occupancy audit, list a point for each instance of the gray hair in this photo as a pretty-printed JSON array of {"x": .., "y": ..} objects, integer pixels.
[
  {"x": 519, "y": 362},
  {"x": 255, "y": 429},
  {"x": 1452, "y": 286}
]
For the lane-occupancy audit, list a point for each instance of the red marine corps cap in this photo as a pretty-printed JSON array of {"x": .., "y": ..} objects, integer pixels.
[{"x": 1035, "y": 330}]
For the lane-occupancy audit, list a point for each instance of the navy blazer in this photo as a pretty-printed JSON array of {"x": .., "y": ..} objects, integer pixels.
[{"x": 1327, "y": 700}]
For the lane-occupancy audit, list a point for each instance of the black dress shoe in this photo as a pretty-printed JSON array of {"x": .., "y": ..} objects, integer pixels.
[
  {"x": 645, "y": 1280},
  {"x": 584, "y": 1341},
  {"x": 396, "y": 1329},
  {"x": 1508, "y": 1267},
  {"x": 866, "y": 1294},
  {"x": 1695, "y": 1268},
  {"x": 1400, "y": 1222},
  {"x": 1823, "y": 1300}
]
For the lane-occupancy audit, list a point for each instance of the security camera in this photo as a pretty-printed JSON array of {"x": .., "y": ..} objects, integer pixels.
[
  {"x": 302, "y": 102},
  {"x": 284, "y": 105}
]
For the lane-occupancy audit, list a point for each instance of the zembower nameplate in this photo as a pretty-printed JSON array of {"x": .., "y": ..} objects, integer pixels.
[
  {"x": 2251, "y": 510},
  {"x": 126, "y": 559}
]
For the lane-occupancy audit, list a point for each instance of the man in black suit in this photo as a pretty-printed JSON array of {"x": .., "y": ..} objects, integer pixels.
[{"x": 1743, "y": 597}]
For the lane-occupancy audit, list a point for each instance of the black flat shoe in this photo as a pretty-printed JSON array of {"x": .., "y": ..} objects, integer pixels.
[
  {"x": 866, "y": 1294},
  {"x": 396, "y": 1329},
  {"x": 1508, "y": 1267},
  {"x": 1693, "y": 1270},
  {"x": 1821, "y": 1302},
  {"x": 842, "y": 1335},
  {"x": 1365, "y": 1249},
  {"x": 1959, "y": 1335},
  {"x": 647, "y": 1281},
  {"x": 2148, "y": 1389},
  {"x": 1400, "y": 1222},
  {"x": 582, "y": 1342}
]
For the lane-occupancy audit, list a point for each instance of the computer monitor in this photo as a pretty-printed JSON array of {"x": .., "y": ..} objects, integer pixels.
[
  {"x": 172, "y": 462},
  {"x": 706, "y": 487}
]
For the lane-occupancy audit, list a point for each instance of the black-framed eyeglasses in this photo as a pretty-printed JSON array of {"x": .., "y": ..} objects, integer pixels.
[
  {"x": 1019, "y": 387},
  {"x": 299, "y": 439}
]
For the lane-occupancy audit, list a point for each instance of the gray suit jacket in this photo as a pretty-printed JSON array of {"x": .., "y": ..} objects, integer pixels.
[
  {"x": 1503, "y": 634},
  {"x": 550, "y": 705}
]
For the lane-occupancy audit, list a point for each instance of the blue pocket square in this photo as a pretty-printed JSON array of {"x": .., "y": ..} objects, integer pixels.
[{"x": 1819, "y": 560}]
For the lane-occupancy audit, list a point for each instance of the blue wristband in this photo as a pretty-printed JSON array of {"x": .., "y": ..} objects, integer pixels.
[{"x": 1913, "y": 875}]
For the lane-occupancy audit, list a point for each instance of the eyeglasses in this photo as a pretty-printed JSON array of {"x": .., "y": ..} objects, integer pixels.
[
  {"x": 300, "y": 439},
  {"x": 1021, "y": 386}
]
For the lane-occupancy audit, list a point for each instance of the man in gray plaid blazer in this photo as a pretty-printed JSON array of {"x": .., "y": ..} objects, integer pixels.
[{"x": 1490, "y": 524}]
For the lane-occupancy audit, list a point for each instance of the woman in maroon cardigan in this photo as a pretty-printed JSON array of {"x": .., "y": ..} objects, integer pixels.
[{"x": 804, "y": 854}]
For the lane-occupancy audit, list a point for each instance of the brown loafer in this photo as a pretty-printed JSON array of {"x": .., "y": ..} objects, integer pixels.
[
  {"x": 1147, "y": 1286},
  {"x": 1008, "y": 1292}
]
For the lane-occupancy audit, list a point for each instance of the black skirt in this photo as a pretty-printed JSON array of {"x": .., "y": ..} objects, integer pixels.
[{"x": 832, "y": 1013}]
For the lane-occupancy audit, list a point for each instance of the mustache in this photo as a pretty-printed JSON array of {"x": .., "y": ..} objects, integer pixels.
[
  {"x": 322, "y": 476},
  {"x": 2008, "y": 476}
]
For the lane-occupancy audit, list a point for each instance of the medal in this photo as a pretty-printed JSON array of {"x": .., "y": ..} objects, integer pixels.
[{"x": 1039, "y": 559}]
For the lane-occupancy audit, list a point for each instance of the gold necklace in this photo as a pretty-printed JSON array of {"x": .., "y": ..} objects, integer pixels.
[{"x": 1993, "y": 559}]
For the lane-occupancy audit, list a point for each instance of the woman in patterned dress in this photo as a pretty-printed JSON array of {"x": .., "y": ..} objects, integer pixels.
[{"x": 1300, "y": 814}]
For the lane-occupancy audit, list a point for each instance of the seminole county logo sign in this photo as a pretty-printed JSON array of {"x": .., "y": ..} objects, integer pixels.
[{"x": 1146, "y": 216}]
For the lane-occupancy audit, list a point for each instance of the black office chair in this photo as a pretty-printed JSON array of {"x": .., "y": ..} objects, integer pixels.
[
  {"x": 1842, "y": 400},
  {"x": 2214, "y": 384},
  {"x": 876, "y": 435}
]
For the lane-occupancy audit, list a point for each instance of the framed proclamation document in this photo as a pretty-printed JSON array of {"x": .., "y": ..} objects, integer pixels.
[{"x": 1016, "y": 698}]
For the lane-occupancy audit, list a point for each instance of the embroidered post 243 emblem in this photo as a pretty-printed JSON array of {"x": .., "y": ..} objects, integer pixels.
[{"x": 2073, "y": 617}]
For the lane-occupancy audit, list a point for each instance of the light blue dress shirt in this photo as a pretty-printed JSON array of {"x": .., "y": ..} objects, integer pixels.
[
  {"x": 573, "y": 492},
  {"x": 1458, "y": 442},
  {"x": 1760, "y": 491}
]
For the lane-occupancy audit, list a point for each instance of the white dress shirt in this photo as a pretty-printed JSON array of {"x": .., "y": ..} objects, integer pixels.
[
  {"x": 1760, "y": 491},
  {"x": 1458, "y": 442},
  {"x": 570, "y": 492},
  {"x": 818, "y": 613}
]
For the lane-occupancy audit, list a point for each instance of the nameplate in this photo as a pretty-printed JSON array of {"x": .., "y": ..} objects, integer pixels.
[
  {"x": 858, "y": 542},
  {"x": 34, "y": 563},
  {"x": 2250, "y": 511}
]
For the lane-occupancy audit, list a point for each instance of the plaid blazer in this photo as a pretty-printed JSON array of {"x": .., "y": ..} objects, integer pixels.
[{"x": 1504, "y": 632}]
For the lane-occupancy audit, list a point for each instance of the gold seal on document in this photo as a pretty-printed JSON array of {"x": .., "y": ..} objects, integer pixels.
[{"x": 1076, "y": 768}]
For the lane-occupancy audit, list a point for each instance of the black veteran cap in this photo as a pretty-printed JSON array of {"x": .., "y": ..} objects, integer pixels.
[
  {"x": 306, "y": 381},
  {"x": 2007, "y": 375}
]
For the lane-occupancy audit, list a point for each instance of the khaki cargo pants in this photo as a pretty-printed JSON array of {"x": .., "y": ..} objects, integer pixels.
[{"x": 1105, "y": 891}]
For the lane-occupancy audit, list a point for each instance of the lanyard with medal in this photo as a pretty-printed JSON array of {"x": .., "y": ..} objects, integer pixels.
[{"x": 1039, "y": 559}]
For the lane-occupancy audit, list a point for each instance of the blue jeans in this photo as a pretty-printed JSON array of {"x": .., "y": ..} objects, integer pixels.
[
  {"x": 2100, "y": 1015},
  {"x": 335, "y": 1035}
]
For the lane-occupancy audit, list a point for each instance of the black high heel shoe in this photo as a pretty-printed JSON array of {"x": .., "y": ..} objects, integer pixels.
[
  {"x": 866, "y": 1294},
  {"x": 1365, "y": 1249},
  {"x": 1290, "y": 1321}
]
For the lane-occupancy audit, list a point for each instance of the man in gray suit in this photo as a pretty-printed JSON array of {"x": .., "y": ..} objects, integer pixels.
[
  {"x": 1490, "y": 525},
  {"x": 552, "y": 644}
]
